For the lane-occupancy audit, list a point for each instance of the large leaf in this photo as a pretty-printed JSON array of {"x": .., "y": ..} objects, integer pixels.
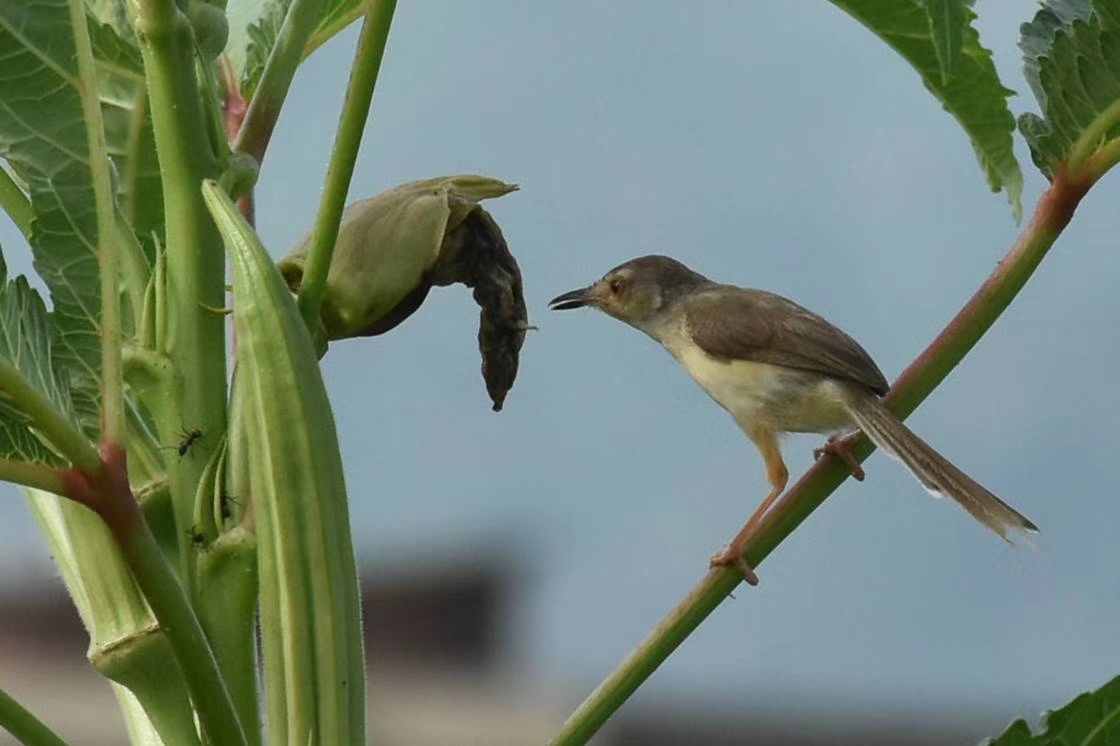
[
  {"x": 1092, "y": 719},
  {"x": 948, "y": 23},
  {"x": 966, "y": 83},
  {"x": 255, "y": 24},
  {"x": 25, "y": 343},
  {"x": 1071, "y": 58},
  {"x": 43, "y": 136}
]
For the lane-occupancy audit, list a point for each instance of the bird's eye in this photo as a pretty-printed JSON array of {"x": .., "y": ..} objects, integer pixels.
[{"x": 616, "y": 285}]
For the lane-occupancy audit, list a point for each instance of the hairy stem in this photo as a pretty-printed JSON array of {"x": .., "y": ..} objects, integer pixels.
[
  {"x": 359, "y": 95},
  {"x": 1053, "y": 213},
  {"x": 109, "y": 495}
]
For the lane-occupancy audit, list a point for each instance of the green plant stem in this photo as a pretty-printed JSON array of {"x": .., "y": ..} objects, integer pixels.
[
  {"x": 355, "y": 110},
  {"x": 110, "y": 496},
  {"x": 36, "y": 476},
  {"x": 1107, "y": 156},
  {"x": 136, "y": 273},
  {"x": 268, "y": 99},
  {"x": 137, "y": 125},
  {"x": 194, "y": 338},
  {"x": 16, "y": 204},
  {"x": 1092, "y": 137},
  {"x": 112, "y": 384},
  {"x": 57, "y": 428},
  {"x": 27, "y": 728},
  {"x": 930, "y": 368}
]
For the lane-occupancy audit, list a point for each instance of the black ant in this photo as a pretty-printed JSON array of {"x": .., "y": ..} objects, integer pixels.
[
  {"x": 198, "y": 540},
  {"x": 226, "y": 504},
  {"x": 189, "y": 439}
]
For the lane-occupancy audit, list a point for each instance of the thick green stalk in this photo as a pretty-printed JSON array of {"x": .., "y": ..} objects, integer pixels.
[
  {"x": 109, "y": 495},
  {"x": 27, "y": 728},
  {"x": 355, "y": 111},
  {"x": 1051, "y": 216},
  {"x": 195, "y": 264},
  {"x": 122, "y": 629},
  {"x": 268, "y": 99},
  {"x": 16, "y": 204},
  {"x": 112, "y": 384}
]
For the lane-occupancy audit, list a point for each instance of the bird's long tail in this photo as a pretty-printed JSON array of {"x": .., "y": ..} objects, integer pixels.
[{"x": 931, "y": 468}]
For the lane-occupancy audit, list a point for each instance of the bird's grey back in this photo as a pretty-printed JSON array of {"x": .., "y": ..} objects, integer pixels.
[{"x": 732, "y": 323}]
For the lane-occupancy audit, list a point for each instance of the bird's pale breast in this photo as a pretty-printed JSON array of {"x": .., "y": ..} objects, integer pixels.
[{"x": 762, "y": 395}]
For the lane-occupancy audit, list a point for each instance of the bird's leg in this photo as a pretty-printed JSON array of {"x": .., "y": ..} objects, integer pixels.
[
  {"x": 778, "y": 475},
  {"x": 837, "y": 447}
]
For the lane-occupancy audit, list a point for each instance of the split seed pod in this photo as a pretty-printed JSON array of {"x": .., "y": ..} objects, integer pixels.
[{"x": 391, "y": 250}]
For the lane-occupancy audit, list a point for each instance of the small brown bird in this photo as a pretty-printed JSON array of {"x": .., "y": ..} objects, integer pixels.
[{"x": 777, "y": 368}]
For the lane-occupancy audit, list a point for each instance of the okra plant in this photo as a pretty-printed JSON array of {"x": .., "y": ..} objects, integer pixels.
[
  {"x": 195, "y": 501},
  {"x": 190, "y": 500}
]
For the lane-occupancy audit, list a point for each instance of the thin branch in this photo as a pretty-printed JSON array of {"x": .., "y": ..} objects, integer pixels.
[
  {"x": 1107, "y": 156},
  {"x": 73, "y": 445},
  {"x": 1092, "y": 137},
  {"x": 112, "y": 384},
  {"x": 30, "y": 474},
  {"x": 355, "y": 111},
  {"x": 27, "y": 728},
  {"x": 283, "y": 60},
  {"x": 1051, "y": 216}
]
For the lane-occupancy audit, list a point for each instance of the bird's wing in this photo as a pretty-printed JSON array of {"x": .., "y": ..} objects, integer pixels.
[{"x": 732, "y": 323}]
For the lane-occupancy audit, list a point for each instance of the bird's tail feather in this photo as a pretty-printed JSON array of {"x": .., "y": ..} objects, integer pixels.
[{"x": 932, "y": 469}]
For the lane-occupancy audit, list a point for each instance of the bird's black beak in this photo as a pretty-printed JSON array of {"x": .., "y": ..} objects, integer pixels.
[{"x": 574, "y": 299}]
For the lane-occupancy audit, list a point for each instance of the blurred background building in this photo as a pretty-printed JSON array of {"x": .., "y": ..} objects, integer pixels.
[{"x": 441, "y": 674}]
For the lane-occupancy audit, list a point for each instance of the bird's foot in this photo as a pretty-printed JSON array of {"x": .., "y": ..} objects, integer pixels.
[
  {"x": 733, "y": 557},
  {"x": 835, "y": 445}
]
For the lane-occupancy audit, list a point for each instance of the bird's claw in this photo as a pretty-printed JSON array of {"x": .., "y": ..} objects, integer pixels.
[
  {"x": 836, "y": 446},
  {"x": 730, "y": 558}
]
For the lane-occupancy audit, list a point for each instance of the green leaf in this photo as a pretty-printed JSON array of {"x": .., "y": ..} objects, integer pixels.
[
  {"x": 948, "y": 22},
  {"x": 262, "y": 37},
  {"x": 1091, "y": 719},
  {"x": 254, "y": 26},
  {"x": 1071, "y": 58},
  {"x": 115, "y": 14},
  {"x": 43, "y": 138},
  {"x": 42, "y": 134},
  {"x": 337, "y": 15},
  {"x": 25, "y": 342},
  {"x": 971, "y": 92}
]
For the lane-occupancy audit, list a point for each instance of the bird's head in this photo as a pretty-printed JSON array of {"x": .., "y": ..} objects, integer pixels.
[{"x": 637, "y": 292}]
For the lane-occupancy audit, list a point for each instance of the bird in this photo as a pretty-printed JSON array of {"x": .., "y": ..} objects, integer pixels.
[{"x": 777, "y": 368}]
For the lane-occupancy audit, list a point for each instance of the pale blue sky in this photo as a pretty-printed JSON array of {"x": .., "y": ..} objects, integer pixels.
[{"x": 774, "y": 145}]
